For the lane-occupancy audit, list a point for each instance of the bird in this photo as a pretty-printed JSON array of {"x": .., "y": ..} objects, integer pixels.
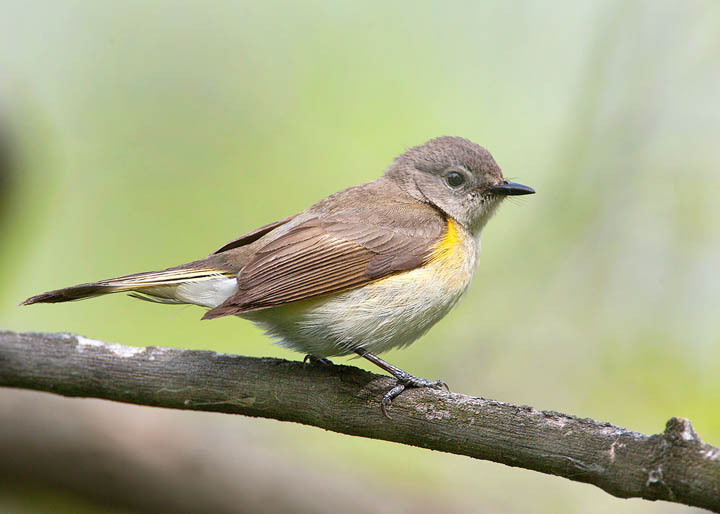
[{"x": 367, "y": 269}]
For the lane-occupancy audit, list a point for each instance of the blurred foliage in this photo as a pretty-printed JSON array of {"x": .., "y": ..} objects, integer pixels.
[{"x": 150, "y": 133}]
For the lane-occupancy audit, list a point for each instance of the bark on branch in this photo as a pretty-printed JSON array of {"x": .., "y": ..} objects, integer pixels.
[{"x": 674, "y": 465}]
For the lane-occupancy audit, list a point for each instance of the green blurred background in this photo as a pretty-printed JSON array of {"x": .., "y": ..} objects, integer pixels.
[{"x": 147, "y": 134}]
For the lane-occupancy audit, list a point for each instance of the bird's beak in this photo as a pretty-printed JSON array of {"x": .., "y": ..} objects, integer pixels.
[{"x": 508, "y": 188}]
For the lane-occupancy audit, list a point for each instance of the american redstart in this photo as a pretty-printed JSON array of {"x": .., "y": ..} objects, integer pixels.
[{"x": 362, "y": 271}]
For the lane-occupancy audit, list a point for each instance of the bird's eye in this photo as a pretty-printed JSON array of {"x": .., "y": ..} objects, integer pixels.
[{"x": 454, "y": 179}]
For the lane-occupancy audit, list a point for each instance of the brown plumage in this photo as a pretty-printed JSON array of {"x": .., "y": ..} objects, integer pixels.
[
  {"x": 339, "y": 244},
  {"x": 369, "y": 268}
]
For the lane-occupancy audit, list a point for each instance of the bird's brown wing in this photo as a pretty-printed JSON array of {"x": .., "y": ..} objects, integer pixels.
[
  {"x": 346, "y": 250},
  {"x": 251, "y": 237}
]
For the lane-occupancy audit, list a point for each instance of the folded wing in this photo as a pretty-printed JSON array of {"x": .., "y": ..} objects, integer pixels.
[{"x": 322, "y": 256}]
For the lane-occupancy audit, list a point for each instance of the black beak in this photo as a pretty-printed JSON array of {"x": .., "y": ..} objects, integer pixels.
[{"x": 511, "y": 189}]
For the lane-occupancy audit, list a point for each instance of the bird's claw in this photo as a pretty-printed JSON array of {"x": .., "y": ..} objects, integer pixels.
[
  {"x": 312, "y": 359},
  {"x": 405, "y": 382}
]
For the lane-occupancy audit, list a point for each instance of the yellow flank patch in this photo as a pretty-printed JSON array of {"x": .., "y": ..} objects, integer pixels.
[
  {"x": 451, "y": 246},
  {"x": 449, "y": 267},
  {"x": 451, "y": 260}
]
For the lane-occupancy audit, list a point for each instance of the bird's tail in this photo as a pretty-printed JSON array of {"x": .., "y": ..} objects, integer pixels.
[{"x": 173, "y": 285}]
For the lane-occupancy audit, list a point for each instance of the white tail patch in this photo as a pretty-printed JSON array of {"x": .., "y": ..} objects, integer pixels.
[
  {"x": 207, "y": 292},
  {"x": 198, "y": 287}
]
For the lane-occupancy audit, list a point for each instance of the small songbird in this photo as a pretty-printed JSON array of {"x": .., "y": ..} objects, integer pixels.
[{"x": 362, "y": 271}]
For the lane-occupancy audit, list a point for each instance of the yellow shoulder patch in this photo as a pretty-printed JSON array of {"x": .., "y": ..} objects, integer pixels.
[
  {"x": 452, "y": 259},
  {"x": 447, "y": 272},
  {"x": 450, "y": 244}
]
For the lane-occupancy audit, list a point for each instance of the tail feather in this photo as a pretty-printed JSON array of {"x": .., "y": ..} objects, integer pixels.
[
  {"x": 156, "y": 299},
  {"x": 69, "y": 294},
  {"x": 158, "y": 286}
]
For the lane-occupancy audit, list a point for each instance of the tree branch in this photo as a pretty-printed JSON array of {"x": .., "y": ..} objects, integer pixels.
[
  {"x": 133, "y": 459},
  {"x": 675, "y": 466}
]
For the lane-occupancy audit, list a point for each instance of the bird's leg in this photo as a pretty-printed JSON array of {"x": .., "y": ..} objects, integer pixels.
[
  {"x": 404, "y": 379},
  {"x": 314, "y": 359}
]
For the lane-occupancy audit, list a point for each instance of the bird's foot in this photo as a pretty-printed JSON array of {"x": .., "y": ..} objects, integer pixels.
[
  {"x": 313, "y": 359},
  {"x": 403, "y": 382},
  {"x": 404, "y": 379}
]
